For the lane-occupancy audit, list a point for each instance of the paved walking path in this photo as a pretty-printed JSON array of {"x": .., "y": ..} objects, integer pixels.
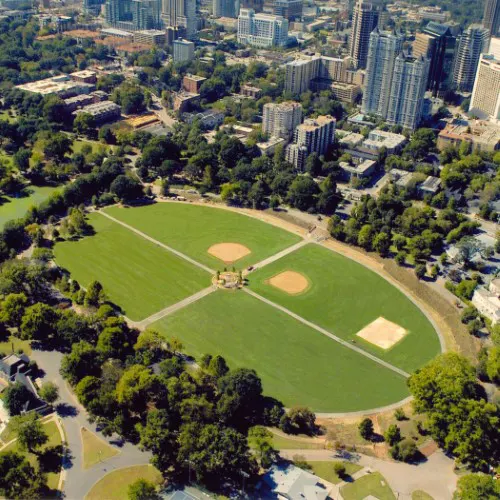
[
  {"x": 77, "y": 480},
  {"x": 159, "y": 243},
  {"x": 435, "y": 476},
  {"x": 141, "y": 325},
  {"x": 328, "y": 334},
  {"x": 281, "y": 254}
]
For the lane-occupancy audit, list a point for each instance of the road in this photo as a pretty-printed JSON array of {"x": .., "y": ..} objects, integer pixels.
[
  {"x": 78, "y": 481},
  {"x": 435, "y": 476}
]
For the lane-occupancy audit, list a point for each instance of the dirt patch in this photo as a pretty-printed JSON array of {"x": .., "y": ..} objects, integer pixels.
[
  {"x": 229, "y": 252},
  {"x": 382, "y": 333},
  {"x": 290, "y": 282}
]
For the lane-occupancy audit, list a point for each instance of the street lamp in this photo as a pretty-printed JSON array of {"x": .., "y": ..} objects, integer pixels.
[
  {"x": 190, "y": 463},
  {"x": 244, "y": 476}
]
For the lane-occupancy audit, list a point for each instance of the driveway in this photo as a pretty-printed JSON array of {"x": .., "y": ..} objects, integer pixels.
[
  {"x": 435, "y": 476},
  {"x": 79, "y": 481}
]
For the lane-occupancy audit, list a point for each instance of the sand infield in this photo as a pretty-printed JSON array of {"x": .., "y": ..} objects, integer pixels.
[
  {"x": 383, "y": 333},
  {"x": 290, "y": 282},
  {"x": 228, "y": 252}
]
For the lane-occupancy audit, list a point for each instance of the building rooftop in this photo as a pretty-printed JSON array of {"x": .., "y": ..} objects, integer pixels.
[
  {"x": 53, "y": 85},
  {"x": 196, "y": 78},
  {"x": 86, "y": 73},
  {"x": 116, "y": 32},
  {"x": 431, "y": 183},
  {"x": 313, "y": 123}
]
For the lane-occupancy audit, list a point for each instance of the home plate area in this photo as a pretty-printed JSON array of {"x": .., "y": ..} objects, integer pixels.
[{"x": 382, "y": 333}]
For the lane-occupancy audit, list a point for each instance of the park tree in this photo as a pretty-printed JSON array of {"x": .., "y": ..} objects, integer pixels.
[
  {"x": 18, "y": 478},
  {"x": 405, "y": 451},
  {"x": 218, "y": 367},
  {"x": 493, "y": 364},
  {"x": 468, "y": 247},
  {"x": 329, "y": 197},
  {"x": 115, "y": 342},
  {"x": 56, "y": 146},
  {"x": 420, "y": 271},
  {"x": 49, "y": 392},
  {"x": 366, "y": 428},
  {"x": 477, "y": 486},
  {"x": 82, "y": 361},
  {"x": 21, "y": 159},
  {"x": 302, "y": 193},
  {"x": 94, "y": 294},
  {"x": 84, "y": 123},
  {"x": 302, "y": 420},
  {"x": 38, "y": 322},
  {"x": 382, "y": 243},
  {"x": 392, "y": 435},
  {"x": 142, "y": 490},
  {"x": 126, "y": 188},
  {"x": 30, "y": 432},
  {"x": 15, "y": 398},
  {"x": 12, "y": 308},
  {"x": 261, "y": 440},
  {"x": 132, "y": 390}
]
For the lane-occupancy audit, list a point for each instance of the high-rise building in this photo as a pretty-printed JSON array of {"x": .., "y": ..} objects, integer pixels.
[
  {"x": 289, "y": 9},
  {"x": 364, "y": 21},
  {"x": 494, "y": 48},
  {"x": 133, "y": 15},
  {"x": 226, "y": 8},
  {"x": 180, "y": 14},
  {"x": 313, "y": 136},
  {"x": 485, "y": 100},
  {"x": 262, "y": 30},
  {"x": 407, "y": 91},
  {"x": 384, "y": 48},
  {"x": 256, "y": 5},
  {"x": 92, "y": 6},
  {"x": 491, "y": 17},
  {"x": 471, "y": 44},
  {"x": 280, "y": 120},
  {"x": 183, "y": 50},
  {"x": 437, "y": 43}
]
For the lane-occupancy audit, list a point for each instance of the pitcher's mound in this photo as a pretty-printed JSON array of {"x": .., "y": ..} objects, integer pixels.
[
  {"x": 228, "y": 252},
  {"x": 383, "y": 333},
  {"x": 290, "y": 282}
]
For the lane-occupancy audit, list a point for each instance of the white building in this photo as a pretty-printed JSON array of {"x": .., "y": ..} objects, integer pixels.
[
  {"x": 280, "y": 120},
  {"x": 487, "y": 301},
  {"x": 406, "y": 100},
  {"x": 262, "y": 30},
  {"x": 378, "y": 139},
  {"x": 383, "y": 50},
  {"x": 183, "y": 50},
  {"x": 313, "y": 136},
  {"x": 472, "y": 43},
  {"x": 485, "y": 99}
]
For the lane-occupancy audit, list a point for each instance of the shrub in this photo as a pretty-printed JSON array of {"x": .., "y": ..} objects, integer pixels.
[
  {"x": 399, "y": 414},
  {"x": 339, "y": 469},
  {"x": 366, "y": 428}
]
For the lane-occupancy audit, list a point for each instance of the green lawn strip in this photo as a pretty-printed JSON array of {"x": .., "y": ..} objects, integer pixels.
[
  {"x": 54, "y": 440},
  {"x": 95, "y": 449},
  {"x": 15, "y": 208},
  {"x": 297, "y": 365},
  {"x": 344, "y": 297},
  {"x": 7, "y": 344},
  {"x": 282, "y": 443},
  {"x": 96, "y": 145},
  {"x": 371, "y": 484},
  {"x": 138, "y": 275},
  {"x": 325, "y": 470},
  {"x": 421, "y": 495},
  {"x": 114, "y": 486},
  {"x": 193, "y": 229}
]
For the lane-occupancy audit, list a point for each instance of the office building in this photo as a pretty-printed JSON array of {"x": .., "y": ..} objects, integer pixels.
[
  {"x": 384, "y": 48},
  {"x": 256, "y": 5},
  {"x": 299, "y": 73},
  {"x": 183, "y": 50},
  {"x": 491, "y": 17},
  {"x": 494, "y": 48},
  {"x": 61, "y": 85},
  {"x": 289, "y": 9},
  {"x": 470, "y": 45},
  {"x": 226, "y": 8},
  {"x": 133, "y": 15},
  {"x": 151, "y": 37},
  {"x": 262, "y": 30},
  {"x": 313, "y": 136},
  {"x": 280, "y": 120},
  {"x": 485, "y": 100},
  {"x": 407, "y": 91},
  {"x": 437, "y": 43},
  {"x": 364, "y": 21},
  {"x": 92, "y": 7},
  {"x": 180, "y": 14}
]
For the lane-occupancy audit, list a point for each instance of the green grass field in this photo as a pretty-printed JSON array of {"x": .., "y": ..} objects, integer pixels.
[
  {"x": 15, "y": 208},
  {"x": 193, "y": 229},
  {"x": 139, "y": 276},
  {"x": 297, "y": 365},
  {"x": 344, "y": 297},
  {"x": 372, "y": 484}
]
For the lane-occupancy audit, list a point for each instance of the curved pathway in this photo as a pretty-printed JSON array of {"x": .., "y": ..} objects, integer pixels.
[{"x": 78, "y": 481}]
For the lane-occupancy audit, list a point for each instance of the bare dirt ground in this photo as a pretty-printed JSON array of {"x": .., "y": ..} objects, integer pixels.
[
  {"x": 382, "y": 333},
  {"x": 290, "y": 282},
  {"x": 228, "y": 252}
]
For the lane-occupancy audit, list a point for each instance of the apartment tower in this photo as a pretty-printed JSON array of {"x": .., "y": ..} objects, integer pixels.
[
  {"x": 491, "y": 17},
  {"x": 485, "y": 100},
  {"x": 280, "y": 120},
  {"x": 364, "y": 21}
]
